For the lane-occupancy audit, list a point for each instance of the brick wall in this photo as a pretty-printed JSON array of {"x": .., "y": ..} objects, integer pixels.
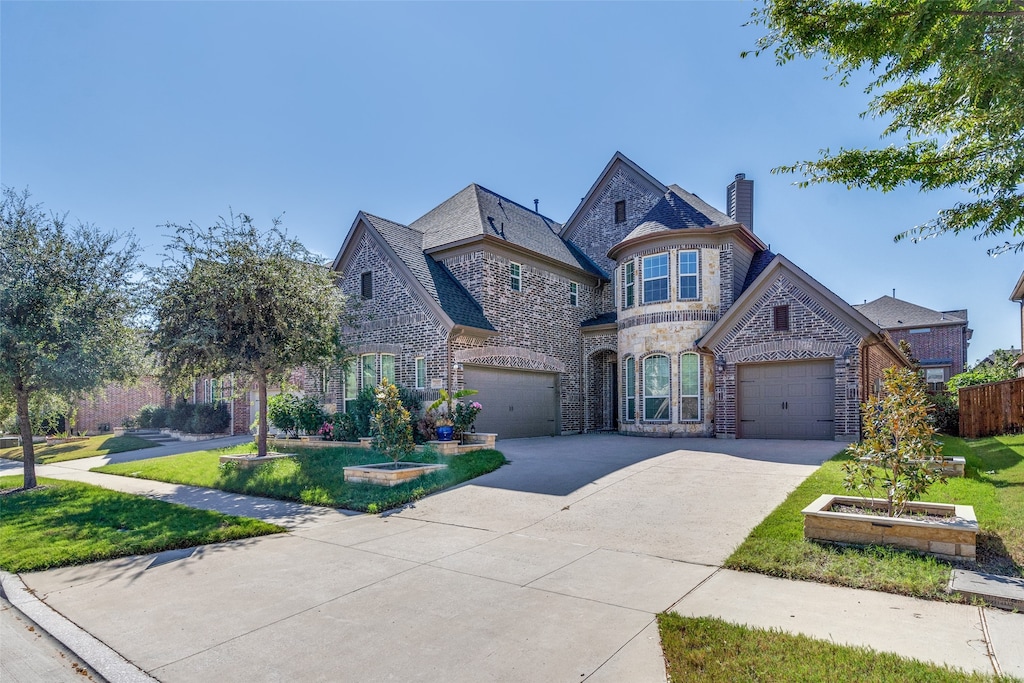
[
  {"x": 875, "y": 359},
  {"x": 115, "y": 402},
  {"x": 941, "y": 342}
]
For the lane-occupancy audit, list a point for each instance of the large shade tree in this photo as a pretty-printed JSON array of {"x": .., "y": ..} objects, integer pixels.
[
  {"x": 232, "y": 298},
  {"x": 68, "y": 302},
  {"x": 947, "y": 77}
]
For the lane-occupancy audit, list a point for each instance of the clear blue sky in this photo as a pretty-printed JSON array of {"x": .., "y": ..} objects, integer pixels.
[{"x": 129, "y": 115}]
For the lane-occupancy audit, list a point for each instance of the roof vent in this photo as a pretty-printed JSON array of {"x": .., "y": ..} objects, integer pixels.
[{"x": 739, "y": 199}]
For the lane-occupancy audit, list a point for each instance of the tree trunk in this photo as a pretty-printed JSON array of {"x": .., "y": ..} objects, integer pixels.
[
  {"x": 261, "y": 433},
  {"x": 28, "y": 452}
]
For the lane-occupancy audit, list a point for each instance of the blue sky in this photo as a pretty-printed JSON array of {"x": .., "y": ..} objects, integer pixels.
[{"x": 131, "y": 115}]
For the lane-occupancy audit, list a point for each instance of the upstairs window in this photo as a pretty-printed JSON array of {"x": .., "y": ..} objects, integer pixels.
[
  {"x": 620, "y": 211},
  {"x": 574, "y": 294},
  {"x": 655, "y": 278},
  {"x": 781, "y": 318},
  {"x": 366, "y": 285},
  {"x": 688, "y": 275},
  {"x": 421, "y": 373},
  {"x": 656, "y": 389},
  {"x": 515, "y": 273},
  {"x": 689, "y": 387},
  {"x": 630, "y": 288}
]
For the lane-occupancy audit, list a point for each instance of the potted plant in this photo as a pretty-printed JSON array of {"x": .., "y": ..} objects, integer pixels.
[
  {"x": 444, "y": 427},
  {"x": 445, "y": 421}
]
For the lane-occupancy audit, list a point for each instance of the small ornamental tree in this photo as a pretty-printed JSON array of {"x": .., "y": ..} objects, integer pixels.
[
  {"x": 282, "y": 411},
  {"x": 389, "y": 423},
  {"x": 898, "y": 457}
]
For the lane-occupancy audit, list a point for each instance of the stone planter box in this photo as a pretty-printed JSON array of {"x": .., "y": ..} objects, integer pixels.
[
  {"x": 483, "y": 439},
  {"x": 9, "y": 441},
  {"x": 71, "y": 439},
  {"x": 186, "y": 436},
  {"x": 386, "y": 474},
  {"x": 954, "y": 538},
  {"x": 251, "y": 461}
]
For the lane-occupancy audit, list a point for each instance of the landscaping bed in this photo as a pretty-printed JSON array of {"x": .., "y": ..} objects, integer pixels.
[
  {"x": 705, "y": 649},
  {"x": 315, "y": 476},
  {"x": 993, "y": 481},
  {"x": 104, "y": 444},
  {"x": 61, "y": 523}
]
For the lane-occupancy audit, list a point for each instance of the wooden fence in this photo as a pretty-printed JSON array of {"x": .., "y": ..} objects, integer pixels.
[{"x": 996, "y": 408}]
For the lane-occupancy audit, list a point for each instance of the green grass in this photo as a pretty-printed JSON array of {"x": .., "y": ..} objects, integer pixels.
[
  {"x": 314, "y": 477},
  {"x": 105, "y": 444},
  {"x": 993, "y": 485},
  {"x": 704, "y": 649},
  {"x": 61, "y": 523}
]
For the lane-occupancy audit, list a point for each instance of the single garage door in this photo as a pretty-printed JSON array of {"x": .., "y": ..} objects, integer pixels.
[
  {"x": 516, "y": 403},
  {"x": 787, "y": 400}
]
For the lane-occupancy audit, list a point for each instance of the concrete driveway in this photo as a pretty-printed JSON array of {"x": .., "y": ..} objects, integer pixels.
[{"x": 549, "y": 569}]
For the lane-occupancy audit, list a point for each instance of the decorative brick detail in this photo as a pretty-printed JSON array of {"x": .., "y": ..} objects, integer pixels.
[
  {"x": 706, "y": 315},
  {"x": 510, "y": 357}
]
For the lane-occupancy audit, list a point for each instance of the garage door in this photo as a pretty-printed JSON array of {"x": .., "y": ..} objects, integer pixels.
[
  {"x": 787, "y": 400},
  {"x": 516, "y": 403}
]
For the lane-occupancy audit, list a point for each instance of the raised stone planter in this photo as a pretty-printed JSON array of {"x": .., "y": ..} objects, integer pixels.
[
  {"x": 952, "y": 538},
  {"x": 186, "y": 436},
  {"x": 9, "y": 441},
  {"x": 484, "y": 439},
  {"x": 388, "y": 473},
  {"x": 250, "y": 461}
]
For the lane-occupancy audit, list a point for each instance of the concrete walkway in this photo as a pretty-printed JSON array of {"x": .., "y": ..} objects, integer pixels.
[{"x": 551, "y": 568}]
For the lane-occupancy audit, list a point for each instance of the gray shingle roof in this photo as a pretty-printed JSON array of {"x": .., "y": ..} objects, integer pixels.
[
  {"x": 758, "y": 263},
  {"x": 890, "y": 313},
  {"x": 679, "y": 210},
  {"x": 439, "y": 282},
  {"x": 603, "y": 319},
  {"x": 476, "y": 211}
]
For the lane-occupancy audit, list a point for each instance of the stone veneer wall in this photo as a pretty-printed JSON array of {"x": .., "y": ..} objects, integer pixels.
[{"x": 815, "y": 333}]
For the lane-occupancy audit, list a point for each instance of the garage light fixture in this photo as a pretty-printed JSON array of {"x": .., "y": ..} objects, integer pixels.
[{"x": 720, "y": 363}]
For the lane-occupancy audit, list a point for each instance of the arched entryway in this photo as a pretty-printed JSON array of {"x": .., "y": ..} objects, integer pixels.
[{"x": 602, "y": 388}]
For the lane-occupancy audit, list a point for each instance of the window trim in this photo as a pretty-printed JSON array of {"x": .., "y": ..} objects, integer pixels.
[
  {"x": 698, "y": 396},
  {"x": 695, "y": 274},
  {"x": 574, "y": 294},
  {"x": 629, "y": 290},
  {"x": 421, "y": 372},
  {"x": 366, "y": 284},
  {"x": 515, "y": 272},
  {"x": 667, "y": 277},
  {"x": 667, "y": 397},
  {"x": 628, "y": 391}
]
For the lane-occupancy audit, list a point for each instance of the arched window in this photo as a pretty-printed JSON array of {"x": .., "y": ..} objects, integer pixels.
[
  {"x": 387, "y": 367},
  {"x": 657, "y": 380},
  {"x": 689, "y": 387},
  {"x": 630, "y": 389}
]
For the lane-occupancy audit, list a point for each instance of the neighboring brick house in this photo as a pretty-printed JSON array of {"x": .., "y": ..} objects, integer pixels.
[
  {"x": 938, "y": 339},
  {"x": 107, "y": 408},
  {"x": 648, "y": 312},
  {"x": 1018, "y": 296}
]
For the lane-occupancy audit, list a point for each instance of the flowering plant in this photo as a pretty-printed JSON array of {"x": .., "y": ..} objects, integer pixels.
[
  {"x": 465, "y": 415},
  {"x": 326, "y": 431}
]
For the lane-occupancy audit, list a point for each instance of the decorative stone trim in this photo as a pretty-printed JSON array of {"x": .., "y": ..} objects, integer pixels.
[
  {"x": 692, "y": 315},
  {"x": 787, "y": 349},
  {"x": 510, "y": 357}
]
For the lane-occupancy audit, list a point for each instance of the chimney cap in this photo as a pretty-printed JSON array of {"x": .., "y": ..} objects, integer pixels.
[{"x": 741, "y": 176}]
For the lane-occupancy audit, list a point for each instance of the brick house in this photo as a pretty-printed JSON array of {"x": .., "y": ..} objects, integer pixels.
[
  {"x": 938, "y": 339},
  {"x": 647, "y": 312}
]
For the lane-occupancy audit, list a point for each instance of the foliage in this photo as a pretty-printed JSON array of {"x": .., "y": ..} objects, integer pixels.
[
  {"x": 710, "y": 650},
  {"x": 315, "y": 476},
  {"x": 282, "y": 411},
  {"x": 145, "y": 416},
  {"x": 390, "y": 424},
  {"x": 343, "y": 428},
  {"x": 899, "y": 440},
  {"x": 67, "y": 307},
  {"x": 945, "y": 414},
  {"x": 1000, "y": 368},
  {"x": 465, "y": 416},
  {"x": 209, "y": 418},
  {"x": 234, "y": 298},
  {"x": 68, "y": 523},
  {"x": 948, "y": 78},
  {"x": 309, "y": 415},
  {"x": 161, "y": 418},
  {"x": 360, "y": 409},
  {"x": 447, "y": 400},
  {"x": 426, "y": 426},
  {"x": 104, "y": 444},
  {"x": 180, "y": 415}
]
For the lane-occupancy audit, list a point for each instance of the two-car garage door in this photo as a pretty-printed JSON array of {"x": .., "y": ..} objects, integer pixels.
[
  {"x": 516, "y": 403},
  {"x": 787, "y": 400}
]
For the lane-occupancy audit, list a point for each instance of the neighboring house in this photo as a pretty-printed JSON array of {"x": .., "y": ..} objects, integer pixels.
[
  {"x": 938, "y": 339},
  {"x": 647, "y": 312},
  {"x": 108, "y": 407},
  {"x": 1018, "y": 296}
]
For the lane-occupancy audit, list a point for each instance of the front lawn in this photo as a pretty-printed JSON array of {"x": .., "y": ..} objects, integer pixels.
[
  {"x": 995, "y": 477},
  {"x": 705, "y": 649},
  {"x": 314, "y": 477},
  {"x": 62, "y": 523},
  {"x": 104, "y": 444}
]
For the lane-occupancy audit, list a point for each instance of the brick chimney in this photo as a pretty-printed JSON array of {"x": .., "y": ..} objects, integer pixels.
[{"x": 739, "y": 199}]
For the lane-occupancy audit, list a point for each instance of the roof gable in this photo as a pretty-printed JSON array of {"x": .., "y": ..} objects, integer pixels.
[
  {"x": 892, "y": 313},
  {"x": 679, "y": 210}
]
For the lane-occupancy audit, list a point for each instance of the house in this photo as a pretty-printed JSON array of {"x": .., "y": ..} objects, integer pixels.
[
  {"x": 1018, "y": 296},
  {"x": 938, "y": 339},
  {"x": 647, "y": 312}
]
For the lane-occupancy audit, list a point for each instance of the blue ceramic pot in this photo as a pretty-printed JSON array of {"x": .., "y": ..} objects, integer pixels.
[{"x": 445, "y": 433}]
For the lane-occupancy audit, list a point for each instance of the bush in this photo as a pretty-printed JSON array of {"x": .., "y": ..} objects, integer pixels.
[
  {"x": 159, "y": 418},
  {"x": 344, "y": 428},
  {"x": 945, "y": 414},
  {"x": 209, "y": 418},
  {"x": 309, "y": 416},
  {"x": 360, "y": 409},
  {"x": 145, "y": 418},
  {"x": 181, "y": 415},
  {"x": 282, "y": 412},
  {"x": 392, "y": 430}
]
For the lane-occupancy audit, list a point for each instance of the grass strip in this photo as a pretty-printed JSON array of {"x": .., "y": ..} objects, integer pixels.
[
  {"x": 995, "y": 473},
  {"x": 709, "y": 650},
  {"x": 104, "y": 444},
  {"x": 315, "y": 476},
  {"x": 61, "y": 523}
]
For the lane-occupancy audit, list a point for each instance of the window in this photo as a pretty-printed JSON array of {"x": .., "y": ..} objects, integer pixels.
[
  {"x": 366, "y": 285},
  {"x": 689, "y": 387},
  {"x": 655, "y": 278},
  {"x": 387, "y": 367},
  {"x": 921, "y": 330},
  {"x": 630, "y": 284},
  {"x": 935, "y": 378},
  {"x": 688, "y": 275},
  {"x": 351, "y": 381},
  {"x": 515, "y": 272},
  {"x": 630, "y": 388},
  {"x": 369, "y": 370},
  {"x": 781, "y": 318},
  {"x": 620, "y": 211},
  {"x": 574, "y": 294},
  {"x": 421, "y": 373},
  {"x": 656, "y": 388}
]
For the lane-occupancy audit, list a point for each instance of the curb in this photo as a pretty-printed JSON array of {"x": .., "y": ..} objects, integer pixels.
[{"x": 98, "y": 656}]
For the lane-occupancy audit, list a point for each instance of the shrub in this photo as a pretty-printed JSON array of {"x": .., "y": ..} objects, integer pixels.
[
  {"x": 390, "y": 423},
  {"x": 945, "y": 414},
  {"x": 282, "y": 412},
  {"x": 898, "y": 439},
  {"x": 159, "y": 418},
  {"x": 344, "y": 428},
  {"x": 309, "y": 416},
  {"x": 180, "y": 416},
  {"x": 209, "y": 418},
  {"x": 145, "y": 418},
  {"x": 465, "y": 416},
  {"x": 360, "y": 409}
]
